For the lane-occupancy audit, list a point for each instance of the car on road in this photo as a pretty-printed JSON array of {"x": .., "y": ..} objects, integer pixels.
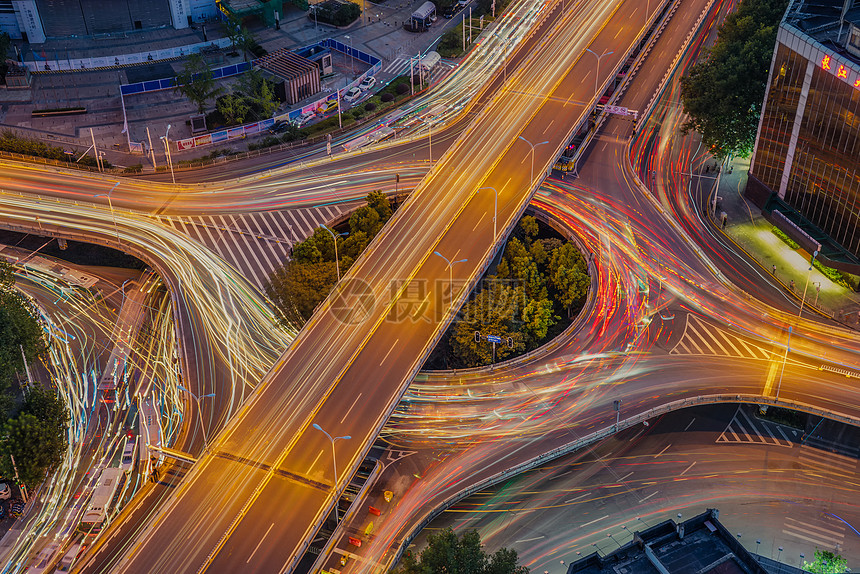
[
  {"x": 279, "y": 126},
  {"x": 302, "y": 120},
  {"x": 5, "y": 491},
  {"x": 462, "y": 3},
  {"x": 351, "y": 95},
  {"x": 451, "y": 10},
  {"x": 367, "y": 83},
  {"x": 68, "y": 558},
  {"x": 327, "y": 107}
]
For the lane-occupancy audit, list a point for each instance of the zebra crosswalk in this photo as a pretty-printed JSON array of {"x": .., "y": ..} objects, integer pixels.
[
  {"x": 745, "y": 428},
  {"x": 824, "y": 532},
  {"x": 397, "y": 66},
  {"x": 839, "y": 467},
  {"x": 255, "y": 243},
  {"x": 701, "y": 337}
]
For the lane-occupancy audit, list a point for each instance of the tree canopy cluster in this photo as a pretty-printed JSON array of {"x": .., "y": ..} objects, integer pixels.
[
  {"x": 723, "y": 94},
  {"x": 826, "y": 562},
  {"x": 32, "y": 426},
  {"x": 252, "y": 98},
  {"x": 538, "y": 280},
  {"x": 446, "y": 553},
  {"x": 306, "y": 279}
]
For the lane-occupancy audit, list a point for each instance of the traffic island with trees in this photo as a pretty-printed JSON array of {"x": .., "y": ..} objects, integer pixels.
[
  {"x": 446, "y": 552},
  {"x": 33, "y": 418},
  {"x": 527, "y": 298}
]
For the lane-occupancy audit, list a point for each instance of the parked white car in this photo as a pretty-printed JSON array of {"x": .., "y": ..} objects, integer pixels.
[
  {"x": 352, "y": 95},
  {"x": 367, "y": 83}
]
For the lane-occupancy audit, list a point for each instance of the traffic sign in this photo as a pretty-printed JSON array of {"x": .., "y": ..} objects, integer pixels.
[
  {"x": 616, "y": 110},
  {"x": 494, "y": 339}
]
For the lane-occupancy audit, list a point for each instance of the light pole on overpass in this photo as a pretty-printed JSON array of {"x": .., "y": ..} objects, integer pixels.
[
  {"x": 333, "y": 461},
  {"x": 110, "y": 204},
  {"x": 495, "y": 208},
  {"x": 428, "y": 121},
  {"x": 167, "y": 153},
  {"x": 597, "y": 75},
  {"x": 788, "y": 344},
  {"x": 533, "y": 146},
  {"x": 450, "y": 272},
  {"x": 336, "y": 260},
  {"x": 199, "y": 412}
]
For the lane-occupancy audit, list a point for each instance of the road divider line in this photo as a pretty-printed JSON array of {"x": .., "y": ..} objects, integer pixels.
[
  {"x": 351, "y": 407},
  {"x": 577, "y": 498},
  {"x": 688, "y": 468},
  {"x": 257, "y": 547},
  {"x": 529, "y": 539},
  {"x": 313, "y": 463},
  {"x": 649, "y": 496},
  {"x": 389, "y": 351},
  {"x": 689, "y": 424},
  {"x": 662, "y": 451},
  {"x": 594, "y": 521}
]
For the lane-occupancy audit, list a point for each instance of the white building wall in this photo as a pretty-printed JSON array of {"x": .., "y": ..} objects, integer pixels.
[
  {"x": 28, "y": 20},
  {"x": 9, "y": 24},
  {"x": 179, "y": 12}
]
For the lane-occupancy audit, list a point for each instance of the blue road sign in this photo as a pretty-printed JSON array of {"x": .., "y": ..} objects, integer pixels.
[{"x": 494, "y": 339}]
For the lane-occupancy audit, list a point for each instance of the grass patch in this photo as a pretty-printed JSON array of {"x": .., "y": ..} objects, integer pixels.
[{"x": 787, "y": 417}]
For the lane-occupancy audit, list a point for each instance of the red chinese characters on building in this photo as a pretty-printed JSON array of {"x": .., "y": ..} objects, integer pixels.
[
  {"x": 825, "y": 63},
  {"x": 842, "y": 72}
]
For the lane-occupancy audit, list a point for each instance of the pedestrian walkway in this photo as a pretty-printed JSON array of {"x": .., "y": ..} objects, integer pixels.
[
  {"x": 823, "y": 533},
  {"x": 255, "y": 243},
  {"x": 747, "y": 227},
  {"x": 744, "y": 428},
  {"x": 701, "y": 337}
]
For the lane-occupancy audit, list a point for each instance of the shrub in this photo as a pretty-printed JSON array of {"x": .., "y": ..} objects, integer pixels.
[
  {"x": 136, "y": 168},
  {"x": 785, "y": 238},
  {"x": 834, "y": 275},
  {"x": 267, "y": 141},
  {"x": 401, "y": 88},
  {"x": 336, "y": 13},
  {"x": 387, "y": 96},
  {"x": 370, "y": 106},
  {"x": 357, "y": 112}
]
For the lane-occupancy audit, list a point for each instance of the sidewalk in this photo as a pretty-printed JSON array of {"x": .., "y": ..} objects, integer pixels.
[{"x": 746, "y": 226}]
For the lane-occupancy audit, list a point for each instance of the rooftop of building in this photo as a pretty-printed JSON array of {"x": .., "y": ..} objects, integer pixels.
[
  {"x": 827, "y": 21},
  {"x": 700, "y": 544}
]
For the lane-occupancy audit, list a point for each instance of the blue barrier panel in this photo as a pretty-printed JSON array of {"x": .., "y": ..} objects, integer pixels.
[
  {"x": 217, "y": 73},
  {"x": 230, "y": 70},
  {"x": 167, "y": 83},
  {"x": 265, "y": 124},
  {"x": 219, "y": 136},
  {"x": 151, "y": 85},
  {"x": 131, "y": 89}
]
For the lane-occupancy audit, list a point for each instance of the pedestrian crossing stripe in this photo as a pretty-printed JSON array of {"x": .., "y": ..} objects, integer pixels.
[
  {"x": 702, "y": 337},
  {"x": 742, "y": 429},
  {"x": 397, "y": 66}
]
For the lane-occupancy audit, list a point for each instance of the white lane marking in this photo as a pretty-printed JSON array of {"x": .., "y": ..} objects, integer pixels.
[
  {"x": 547, "y": 126},
  {"x": 350, "y": 408},
  {"x": 479, "y": 221},
  {"x": 577, "y": 498},
  {"x": 529, "y": 539},
  {"x": 314, "y": 462},
  {"x": 593, "y": 521},
  {"x": 560, "y": 475},
  {"x": 649, "y": 496},
  {"x": 623, "y": 478},
  {"x": 389, "y": 352},
  {"x": 688, "y": 468},
  {"x": 662, "y": 451},
  {"x": 259, "y": 543},
  {"x": 689, "y": 425}
]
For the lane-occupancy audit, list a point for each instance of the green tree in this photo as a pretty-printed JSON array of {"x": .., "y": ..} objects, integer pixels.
[
  {"x": 196, "y": 82},
  {"x": 723, "y": 94},
  {"x": 496, "y": 310},
  {"x": 19, "y": 329},
  {"x": 826, "y": 562},
  {"x": 538, "y": 317},
  {"x": 233, "y": 107},
  {"x": 260, "y": 92},
  {"x": 37, "y": 437},
  {"x": 568, "y": 276},
  {"x": 298, "y": 287},
  {"x": 446, "y": 553},
  {"x": 7, "y": 276}
]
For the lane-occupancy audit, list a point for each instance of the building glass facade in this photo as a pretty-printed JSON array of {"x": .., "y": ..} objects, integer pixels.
[{"x": 808, "y": 146}]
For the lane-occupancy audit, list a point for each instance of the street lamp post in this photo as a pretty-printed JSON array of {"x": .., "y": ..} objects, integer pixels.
[
  {"x": 167, "y": 153},
  {"x": 495, "y": 207},
  {"x": 351, "y": 55},
  {"x": 333, "y": 461},
  {"x": 110, "y": 204},
  {"x": 597, "y": 75},
  {"x": 533, "y": 146},
  {"x": 199, "y": 412},
  {"x": 336, "y": 260},
  {"x": 450, "y": 272},
  {"x": 429, "y": 123},
  {"x": 788, "y": 343}
]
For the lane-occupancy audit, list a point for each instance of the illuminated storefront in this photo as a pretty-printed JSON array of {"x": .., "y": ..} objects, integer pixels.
[{"x": 806, "y": 163}]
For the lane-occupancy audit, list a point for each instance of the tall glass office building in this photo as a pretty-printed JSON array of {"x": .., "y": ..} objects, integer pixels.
[{"x": 805, "y": 171}]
